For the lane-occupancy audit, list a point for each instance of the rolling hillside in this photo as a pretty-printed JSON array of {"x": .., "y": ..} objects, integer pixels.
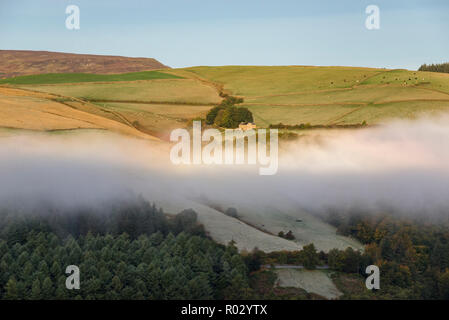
[
  {"x": 20, "y": 109},
  {"x": 55, "y": 78},
  {"x": 22, "y": 62},
  {"x": 147, "y": 104},
  {"x": 329, "y": 95},
  {"x": 155, "y": 102}
]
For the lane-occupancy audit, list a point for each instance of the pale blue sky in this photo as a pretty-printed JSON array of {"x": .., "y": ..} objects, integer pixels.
[{"x": 183, "y": 33}]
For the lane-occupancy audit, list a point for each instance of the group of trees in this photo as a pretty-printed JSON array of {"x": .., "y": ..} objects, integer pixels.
[
  {"x": 134, "y": 217},
  {"x": 413, "y": 255},
  {"x": 133, "y": 251},
  {"x": 150, "y": 267},
  {"x": 227, "y": 115},
  {"x": 439, "y": 67},
  {"x": 130, "y": 250},
  {"x": 309, "y": 257},
  {"x": 289, "y": 235}
]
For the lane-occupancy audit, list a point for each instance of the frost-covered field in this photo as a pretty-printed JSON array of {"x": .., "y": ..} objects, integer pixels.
[
  {"x": 305, "y": 227},
  {"x": 224, "y": 229},
  {"x": 283, "y": 216},
  {"x": 315, "y": 281}
]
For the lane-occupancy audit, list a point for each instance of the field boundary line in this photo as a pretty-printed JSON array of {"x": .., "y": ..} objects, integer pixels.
[
  {"x": 335, "y": 120},
  {"x": 410, "y": 100},
  {"x": 303, "y": 105},
  {"x": 202, "y": 104},
  {"x": 301, "y": 93}
]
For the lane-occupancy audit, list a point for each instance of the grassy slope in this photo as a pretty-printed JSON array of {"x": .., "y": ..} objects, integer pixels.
[
  {"x": 52, "y": 78},
  {"x": 151, "y": 102},
  {"x": 330, "y": 95},
  {"x": 284, "y": 217},
  {"x": 291, "y": 94},
  {"x": 21, "y": 109},
  {"x": 156, "y": 119},
  {"x": 159, "y": 101},
  {"x": 249, "y": 81},
  {"x": 154, "y": 91}
]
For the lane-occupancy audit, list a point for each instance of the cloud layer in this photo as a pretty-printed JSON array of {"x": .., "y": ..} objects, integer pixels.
[{"x": 402, "y": 166}]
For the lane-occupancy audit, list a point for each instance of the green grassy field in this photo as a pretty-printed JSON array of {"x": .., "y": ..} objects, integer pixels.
[
  {"x": 427, "y": 80},
  {"x": 250, "y": 81},
  {"x": 291, "y": 115},
  {"x": 169, "y": 91},
  {"x": 330, "y": 95},
  {"x": 155, "y": 119},
  {"x": 52, "y": 78},
  {"x": 159, "y": 101},
  {"x": 363, "y": 94}
]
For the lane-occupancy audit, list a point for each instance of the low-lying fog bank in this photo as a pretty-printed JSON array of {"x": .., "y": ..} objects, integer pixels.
[{"x": 403, "y": 166}]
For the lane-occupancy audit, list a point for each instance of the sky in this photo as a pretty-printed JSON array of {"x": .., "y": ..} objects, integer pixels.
[{"x": 183, "y": 33}]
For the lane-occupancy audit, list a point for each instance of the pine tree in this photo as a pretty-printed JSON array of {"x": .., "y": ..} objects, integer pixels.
[
  {"x": 199, "y": 288},
  {"x": 36, "y": 290},
  {"x": 47, "y": 289},
  {"x": 12, "y": 293},
  {"x": 55, "y": 269},
  {"x": 116, "y": 284}
]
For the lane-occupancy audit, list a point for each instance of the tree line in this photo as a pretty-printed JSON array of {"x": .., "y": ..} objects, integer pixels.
[
  {"x": 132, "y": 251},
  {"x": 149, "y": 267},
  {"x": 438, "y": 67},
  {"x": 412, "y": 253}
]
